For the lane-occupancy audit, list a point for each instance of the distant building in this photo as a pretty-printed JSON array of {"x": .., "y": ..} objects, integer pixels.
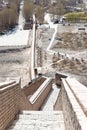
[{"x": 28, "y": 25}]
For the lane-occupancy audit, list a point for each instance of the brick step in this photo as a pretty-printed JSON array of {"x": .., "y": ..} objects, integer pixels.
[{"x": 38, "y": 120}]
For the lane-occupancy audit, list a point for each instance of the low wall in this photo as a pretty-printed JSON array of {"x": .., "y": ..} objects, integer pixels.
[
  {"x": 31, "y": 88},
  {"x": 74, "y": 117},
  {"x": 79, "y": 91},
  {"x": 39, "y": 96},
  {"x": 9, "y": 103}
]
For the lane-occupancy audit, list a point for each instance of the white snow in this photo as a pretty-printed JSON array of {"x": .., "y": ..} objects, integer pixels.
[
  {"x": 51, "y": 25},
  {"x": 15, "y": 39},
  {"x": 19, "y": 36}
]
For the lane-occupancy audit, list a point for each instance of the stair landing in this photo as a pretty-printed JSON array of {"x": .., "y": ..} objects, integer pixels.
[{"x": 38, "y": 120}]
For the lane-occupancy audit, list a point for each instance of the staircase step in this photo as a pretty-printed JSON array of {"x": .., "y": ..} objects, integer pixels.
[
  {"x": 38, "y": 120},
  {"x": 51, "y": 115}
]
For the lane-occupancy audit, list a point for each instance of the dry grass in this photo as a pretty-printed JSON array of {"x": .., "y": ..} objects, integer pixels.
[{"x": 73, "y": 41}]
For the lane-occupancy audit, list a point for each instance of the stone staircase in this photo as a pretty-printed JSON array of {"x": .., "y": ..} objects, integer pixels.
[
  {"x": 38, "y": 120},
  {"x": 68, "y": 99},
  {"x": 45, "y": 119}
]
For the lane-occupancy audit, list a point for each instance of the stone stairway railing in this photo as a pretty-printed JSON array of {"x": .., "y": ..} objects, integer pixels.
[
  {"x": 79, "y": 91},
  {"x": 34, "y": 94},
  {"x": 72, "y": 101},
  {"x": 40, "y": 94},
  {"x": 30, "y": 88},
  {"x": 73, "y": 114},
  {"x": 28, "y": 91}
]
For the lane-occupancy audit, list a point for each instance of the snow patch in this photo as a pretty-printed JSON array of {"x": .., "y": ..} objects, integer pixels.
[{"x": 15, "y": 39}]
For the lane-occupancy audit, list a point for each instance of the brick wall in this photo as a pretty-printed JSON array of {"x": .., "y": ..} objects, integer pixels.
[
  {"x": 74, "y": 117},
  {"x": 31, "y": 88},
  {"x": 13, "y": 99},
  {"x": 24, "y": 102},
  {"x": 69, "y": 115},
  {"x": 42, "y": 95},
  {"x": 9, "y": 103}
]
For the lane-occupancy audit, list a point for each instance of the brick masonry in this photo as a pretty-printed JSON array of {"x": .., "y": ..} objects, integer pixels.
[
  {"x": 9, "y": 103},
  {"x": 74, "y": 117},
  {"x": 31, "y": 88},
  {"x": 14, "y": 99}
]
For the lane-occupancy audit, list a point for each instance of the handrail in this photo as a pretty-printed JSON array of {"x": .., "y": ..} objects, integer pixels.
[{"x": 35, "y": 96}]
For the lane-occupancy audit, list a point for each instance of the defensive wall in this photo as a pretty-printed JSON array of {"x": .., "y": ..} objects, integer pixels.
[
  {"x": 14, "y": 99},
  {"x": 72, "y": 101}
]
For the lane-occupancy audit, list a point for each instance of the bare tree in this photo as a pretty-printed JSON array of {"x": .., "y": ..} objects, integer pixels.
[
  {"x": 40, "y": 14},
  {"x": 28, "y": 10}
]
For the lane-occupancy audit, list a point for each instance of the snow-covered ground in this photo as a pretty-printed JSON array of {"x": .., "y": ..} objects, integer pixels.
[
  {"x": 15, "y": 39},
  {"x": 51, "y": 25},
  {"x": 19, "y": 36}
]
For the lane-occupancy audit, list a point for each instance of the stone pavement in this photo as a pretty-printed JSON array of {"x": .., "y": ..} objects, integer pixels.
[
  {"x": 49, "y": 103},
  {"x": 39, "y": 120}
]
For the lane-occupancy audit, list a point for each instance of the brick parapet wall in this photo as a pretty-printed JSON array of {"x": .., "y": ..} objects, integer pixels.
[
  {"x": 74, "y": 117},
  {"x": 9, "y": 104},
  {"x": 40, "y": 98},
  {"x": 31, "y": 88},
  {"x": 79, "y": 91}
]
